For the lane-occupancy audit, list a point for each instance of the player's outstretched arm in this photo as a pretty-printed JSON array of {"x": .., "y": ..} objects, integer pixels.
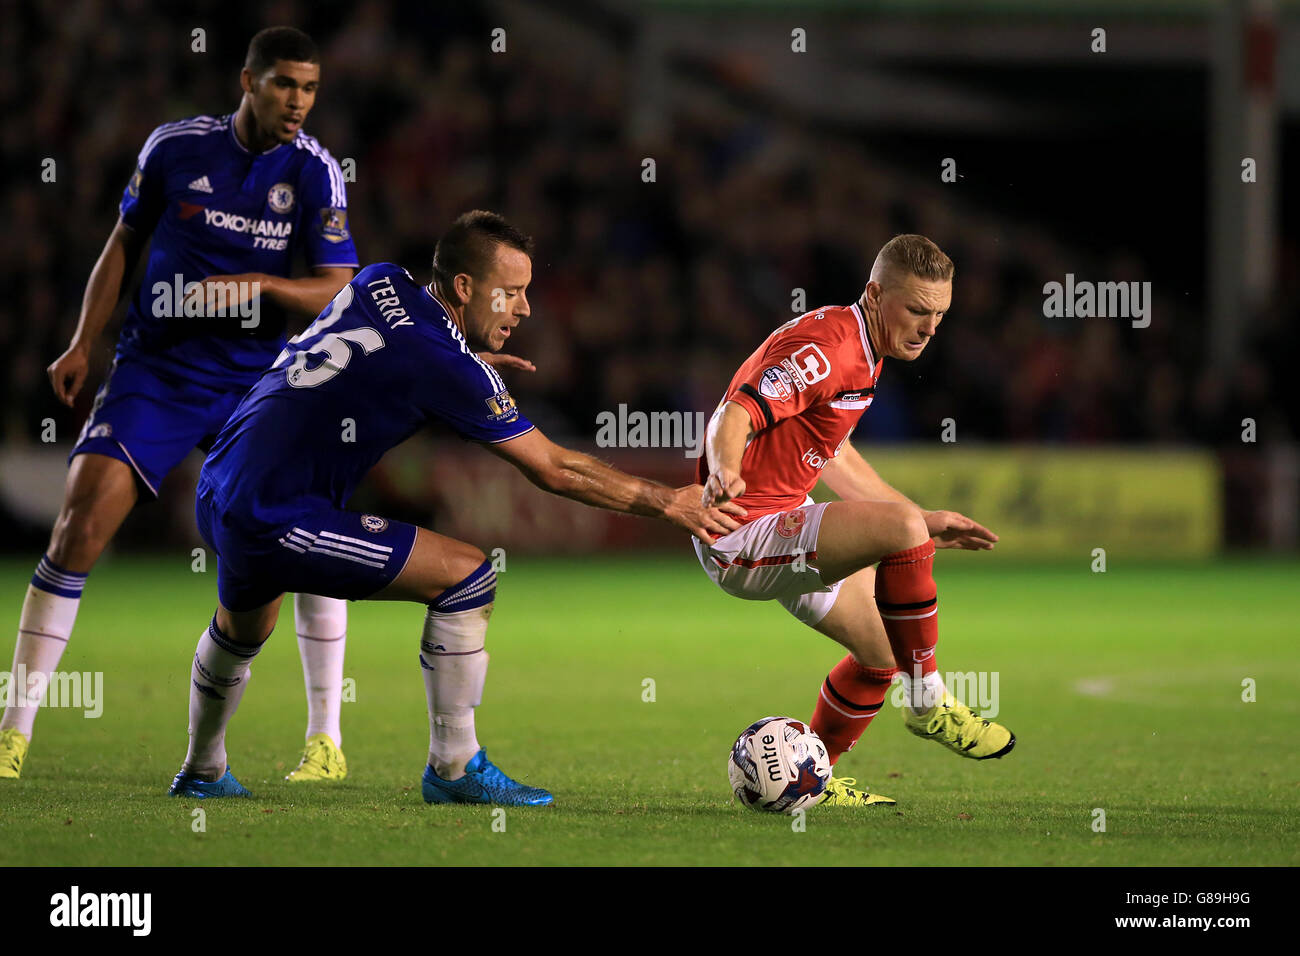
[
  {"x": 310, "y": 294},
  {"x": 116, "y": 262},
  {"x": 306, "y": 296},
  {"x": 729, "y": 430},
  {"x": 575, "y": 475},
  {"x": 851, "y": 477}
]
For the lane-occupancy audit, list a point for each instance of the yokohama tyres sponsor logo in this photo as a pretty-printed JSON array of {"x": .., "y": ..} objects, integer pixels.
[{"x": 253, "y": 227}]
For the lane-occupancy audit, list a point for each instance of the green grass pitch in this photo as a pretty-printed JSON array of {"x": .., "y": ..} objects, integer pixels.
[{"x": 1124, "y": 690}]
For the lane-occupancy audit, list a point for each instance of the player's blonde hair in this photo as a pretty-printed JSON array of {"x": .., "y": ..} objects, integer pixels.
[{"x": 914, "y": 255}]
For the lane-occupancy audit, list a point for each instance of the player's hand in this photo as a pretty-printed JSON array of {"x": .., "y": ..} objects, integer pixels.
[
  {"x": 951, "y": 530},
  {"x": 68, "y": 373},
  {"x": 689, "y": 513},
  {"x": 499, "y": 360},
  {"x": 723, "y": 485}
]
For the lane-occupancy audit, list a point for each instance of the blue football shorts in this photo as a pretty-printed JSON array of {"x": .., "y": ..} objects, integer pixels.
[
  {"x": 339, "y": 554},
  {"x": 150, "y": 419}
]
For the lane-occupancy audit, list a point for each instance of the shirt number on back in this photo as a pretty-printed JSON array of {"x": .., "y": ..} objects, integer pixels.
[
  {"x": 335, "y": 346},
  {"x": 338, "y": 352}
]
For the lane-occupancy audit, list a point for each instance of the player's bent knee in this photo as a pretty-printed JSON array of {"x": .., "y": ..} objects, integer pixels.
[
  {"x": 912, "y": 531},
  {"x": 901, "y": 525},
  {"x": 477, "y": 589},
  {"x": 101, "y": 492},
  {"x": 247, "y": 628}
]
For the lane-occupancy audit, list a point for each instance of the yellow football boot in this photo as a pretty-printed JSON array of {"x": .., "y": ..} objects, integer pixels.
[
  {"x": 321, "y": 760},
  {"x": 952, "y": 724},
  {"x": 13, "y": 748},
  {"x": 840, "y": 792}
]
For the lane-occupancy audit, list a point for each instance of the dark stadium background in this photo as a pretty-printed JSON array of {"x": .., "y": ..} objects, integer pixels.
[{"x": 775, "y": 171}]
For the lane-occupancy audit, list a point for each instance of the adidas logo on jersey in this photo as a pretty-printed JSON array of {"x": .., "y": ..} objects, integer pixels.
[{"x": 201, "y": 185}]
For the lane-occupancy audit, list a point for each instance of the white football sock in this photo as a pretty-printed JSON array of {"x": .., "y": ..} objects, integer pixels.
[
  {"x": 322, "y": 625},
  {"x": 454, "y": 664},
  {"x": 217, "y": 680},
  {"x": 924, "y": 693},
  {"x": 44, "y": 626}
]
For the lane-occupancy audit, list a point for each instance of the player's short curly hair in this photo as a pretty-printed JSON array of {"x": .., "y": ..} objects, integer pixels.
[
  {"x": 279, "y": 43},
  {"x": 469, "y": 245},
  {"x": 914, "y": 255}
]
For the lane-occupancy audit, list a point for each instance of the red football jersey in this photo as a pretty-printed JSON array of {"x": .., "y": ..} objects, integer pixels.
[{"x": 805, "y": 389}]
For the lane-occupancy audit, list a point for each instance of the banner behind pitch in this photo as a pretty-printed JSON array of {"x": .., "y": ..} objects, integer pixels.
[{"x": 1056, "y": 503}]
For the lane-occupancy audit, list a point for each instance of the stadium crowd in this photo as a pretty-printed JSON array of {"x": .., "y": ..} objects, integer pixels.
[{"x": 645, "y": 293}]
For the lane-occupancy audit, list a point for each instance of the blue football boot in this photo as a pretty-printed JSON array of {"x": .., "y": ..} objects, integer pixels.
[
  {"x": 189, "y": 785},
  {"x": 483, "y": 783}
]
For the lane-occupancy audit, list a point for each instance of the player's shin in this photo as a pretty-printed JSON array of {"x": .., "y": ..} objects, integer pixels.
[
  {"x": 908, "y": 601},
  {"x": 850, "y": 698},
  {"x": 454, "y": 662},
  {"x": 44, "y": 626},
  {"x": 322, "y": 624},
  {"x": 217, "y": 680}
]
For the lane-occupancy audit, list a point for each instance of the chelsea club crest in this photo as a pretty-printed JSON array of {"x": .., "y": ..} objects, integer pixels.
[{"x": 280, "y": 198}]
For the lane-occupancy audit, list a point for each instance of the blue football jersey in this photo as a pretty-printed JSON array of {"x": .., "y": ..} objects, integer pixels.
[
  {"x": 214, "y": 208},
  {"x": 383, "y": 360}
]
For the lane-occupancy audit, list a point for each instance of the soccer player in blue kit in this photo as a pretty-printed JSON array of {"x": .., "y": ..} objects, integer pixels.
[
  {"x": 229, "y": 200},
  {"x": 391, "y": 356}
]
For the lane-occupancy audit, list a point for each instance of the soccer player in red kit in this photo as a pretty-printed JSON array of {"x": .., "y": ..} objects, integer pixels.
[{"x": 858, "y": 570}]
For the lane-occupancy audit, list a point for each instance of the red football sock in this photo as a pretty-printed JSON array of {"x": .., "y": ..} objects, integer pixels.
[
  {"x": 851, "y": 696},
  {"x": 909, "y": 604}
]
